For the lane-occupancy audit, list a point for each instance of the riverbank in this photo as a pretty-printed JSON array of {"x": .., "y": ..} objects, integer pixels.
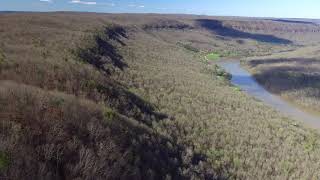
[
  {"x": 247, "y": 82},
  {"x": 292, "y": 75}
]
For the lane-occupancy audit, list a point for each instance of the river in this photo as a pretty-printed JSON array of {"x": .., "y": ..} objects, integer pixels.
[{"x": 246, "y": 82}]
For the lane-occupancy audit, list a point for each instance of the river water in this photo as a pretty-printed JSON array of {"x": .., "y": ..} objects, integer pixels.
[{"x": 244, "y": 80}]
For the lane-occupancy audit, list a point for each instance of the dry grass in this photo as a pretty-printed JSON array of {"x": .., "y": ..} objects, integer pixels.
[{"x": 86, "y": 95}]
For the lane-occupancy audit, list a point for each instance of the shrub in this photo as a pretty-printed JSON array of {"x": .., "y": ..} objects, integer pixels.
[
  {"x": 213, "y": 56},
  {"x": 222, "y": 73},
  {"x": 109, "y": 113},
  {"x": 4, "y": 161},
  {"x": 188, "y": 47},
  {"x": 2, "y": 57}
]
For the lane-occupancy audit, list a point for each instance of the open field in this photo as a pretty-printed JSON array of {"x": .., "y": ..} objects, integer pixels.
[{"x": 106, "y": 96}]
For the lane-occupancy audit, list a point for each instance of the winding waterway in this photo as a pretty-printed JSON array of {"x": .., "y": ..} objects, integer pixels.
[{"x": 243, "y": 79}]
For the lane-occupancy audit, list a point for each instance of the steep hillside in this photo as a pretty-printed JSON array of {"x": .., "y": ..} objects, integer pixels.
[{"x": 104, "y": 96}]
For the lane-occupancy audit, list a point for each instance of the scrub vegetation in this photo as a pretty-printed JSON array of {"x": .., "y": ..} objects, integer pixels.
[
  {"x": 104, "y": 96},
  {"x": 4, "y": 161}
]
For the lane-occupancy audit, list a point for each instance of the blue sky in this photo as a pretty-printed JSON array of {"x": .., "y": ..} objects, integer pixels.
[{"x": 257, "y": 8}]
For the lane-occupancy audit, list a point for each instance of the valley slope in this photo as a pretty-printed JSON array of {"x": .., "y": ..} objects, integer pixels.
[{"x": 110, "y": 96}]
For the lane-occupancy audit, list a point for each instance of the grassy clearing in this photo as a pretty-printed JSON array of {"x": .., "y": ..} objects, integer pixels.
[
  {"x": 213, "y": 56},
  {"x": 237, "y": 89}
]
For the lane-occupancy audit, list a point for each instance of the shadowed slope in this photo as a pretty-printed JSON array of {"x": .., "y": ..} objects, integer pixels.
[
  {"x": 99, "y": 50},
  {"x": 217, "y": 27},
  {"x": 293, "y": 21}
]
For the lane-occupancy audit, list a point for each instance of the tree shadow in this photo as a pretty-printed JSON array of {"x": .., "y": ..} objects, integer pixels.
[
  {"x": 165, "y": 158},
  {"x": 71, "y": 140},
  {"x": 109, "y": 55},
  {"x": 292, "y": 21},
  {"x": 116, "y": 34},
  {"x": 218, "y": 28},
  {"x": 129, "y": 104},
  {"x": 100, "y": 50}
]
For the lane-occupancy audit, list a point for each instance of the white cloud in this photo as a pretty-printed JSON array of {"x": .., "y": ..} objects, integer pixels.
[
  {"x": 83, "y": 2},
  {"x": 48, "y": 1},
  {"x": 137, "y": 6},
  {"x": 90, "y": 3}
]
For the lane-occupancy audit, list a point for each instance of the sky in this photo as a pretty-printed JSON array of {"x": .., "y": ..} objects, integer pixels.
[{"x": 252, "y": 8}]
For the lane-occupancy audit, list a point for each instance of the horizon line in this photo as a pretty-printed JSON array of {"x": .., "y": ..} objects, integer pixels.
[{"x": 158, "y": 13}]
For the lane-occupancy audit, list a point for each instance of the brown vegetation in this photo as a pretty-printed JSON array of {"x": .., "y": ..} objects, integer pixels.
[{"x": 98, "y": 96}]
